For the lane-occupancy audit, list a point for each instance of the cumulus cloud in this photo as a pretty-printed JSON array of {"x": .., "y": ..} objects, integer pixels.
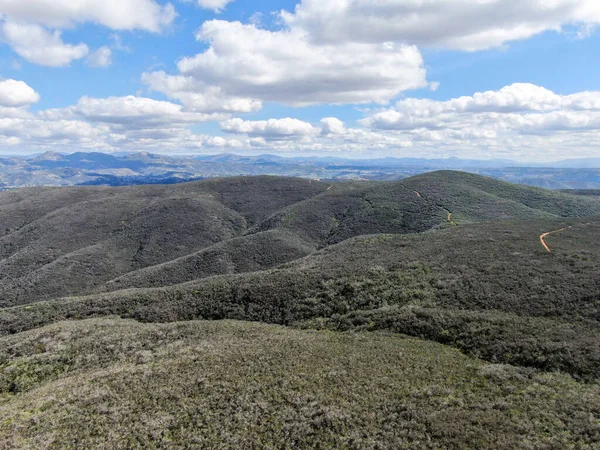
[
  {"x": 332, "y": 125},
  {"x": 33, "y": 27},
  {"x": 521, "y": 119},
  {"x": 453, "y": 24},
  {"x": 292, "y": 134},
  {"x": 518, "y": 107},
  {"x": 39, "y": 46},
  {"x": 33, "y": 132},
  {"x": 334, "y": 133},
  {"x": 197, "y": 96},
  {"x": 16, "y": 94},
  {"x": 101, "y": 57},
  {"x": 109, "y": 124},
  {"x": 146, "y": 15},
  {"x": 215, "y": 5},
  {"x": 271, "y": 129},
  {"x": 245, "y": 62},
  {"x": 130, "y": 113}
]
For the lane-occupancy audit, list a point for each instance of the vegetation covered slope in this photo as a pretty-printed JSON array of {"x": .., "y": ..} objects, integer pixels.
[
  {"x": 74, "y": 241},
  {"x": 507, "y": 275},
  {"x": 490, "y": 289},
  {"x": 119, "y": 384},
  {"x": 67, "y": 241}
]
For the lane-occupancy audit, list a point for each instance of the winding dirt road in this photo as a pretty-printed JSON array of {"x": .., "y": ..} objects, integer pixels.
[{"x": 545, "y": 235}]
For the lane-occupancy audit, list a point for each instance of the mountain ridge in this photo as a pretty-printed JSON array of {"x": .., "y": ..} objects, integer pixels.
[{"x": 95, "y": 168}]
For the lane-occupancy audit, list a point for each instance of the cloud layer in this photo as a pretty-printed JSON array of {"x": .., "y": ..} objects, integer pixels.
[
  {"x": 521, "y": 121},
  {"x": 33, "y": 27},
  {"x": 452, "y": 24},
  {"x": 246, "y": 62}
]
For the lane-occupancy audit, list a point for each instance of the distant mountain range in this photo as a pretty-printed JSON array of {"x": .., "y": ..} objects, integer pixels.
[{"x": 57, "y": 169}]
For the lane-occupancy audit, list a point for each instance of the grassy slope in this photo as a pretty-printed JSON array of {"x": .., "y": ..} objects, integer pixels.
[
  {"x": 473, "y": 198},
  {"x": 591, "y": 192},
  {"x": 118, "y": 384},
  {"x": 489, "y": 289}
]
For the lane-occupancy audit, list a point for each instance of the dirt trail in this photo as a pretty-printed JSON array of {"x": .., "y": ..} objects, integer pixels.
[
  {"x": 545, "y": 235},
  {"x": 450, "y": 221}
]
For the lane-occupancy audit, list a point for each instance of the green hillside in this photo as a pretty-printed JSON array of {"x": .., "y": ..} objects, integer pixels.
[
  {"x": 454, "y": 311},
  {"x": 73, "y": 241},
  {"x": 119, "y": 384},
  {"x": 54, "y": 247}
]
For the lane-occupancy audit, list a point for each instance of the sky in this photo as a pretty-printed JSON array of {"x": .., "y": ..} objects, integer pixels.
[{"x": 486, "y": 79}]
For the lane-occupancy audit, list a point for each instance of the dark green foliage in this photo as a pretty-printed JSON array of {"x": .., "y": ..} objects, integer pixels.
[
  {"x": 115, "y": 384},
  {"x": 549, "y": 345},
  {"x": 427, "y": 257},
  {"x": 71, "y": 241},
  {"x": 244, "y": 254},
  {"x": 471, "y": 268}
]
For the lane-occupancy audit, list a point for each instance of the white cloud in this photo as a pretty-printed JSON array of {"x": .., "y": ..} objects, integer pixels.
[
  {"x": 101, "y": 57},
  {"x": 521, "y": 119},
  {"x": 36, "y": 133},
  {"x": 130, "y": 113},
  {"x": 39, "y": 46},
  {"x": 146, "y": 15},
  {"x": 296, "y": 135},
  {"x": 335, "y": 134},
  {"x": 455, "y": 24},
  {"x": 33, "y": 27},
  {"x": 15, "y": 93},
  {"x": 516, "y": 106},
  {"x": 197, "y": 96},
  {"x": 332, "y": 125},
  {"x": 215, "y": 5},
  {"x": 272, "y": 129},
  {"x": 246, "y": 62}
]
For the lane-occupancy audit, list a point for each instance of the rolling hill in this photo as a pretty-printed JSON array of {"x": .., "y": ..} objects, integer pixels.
[
  {"x": 387, "y": 285},
  {"x": 73, "y": 241}
]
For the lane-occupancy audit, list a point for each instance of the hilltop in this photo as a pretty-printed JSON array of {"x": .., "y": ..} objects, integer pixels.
[
  {"x": 437, "y": 274},
  {"x": 71, "y": 241}
]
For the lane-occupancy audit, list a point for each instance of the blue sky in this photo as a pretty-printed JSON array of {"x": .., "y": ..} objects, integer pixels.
[{"x": 356, "y": 78}]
